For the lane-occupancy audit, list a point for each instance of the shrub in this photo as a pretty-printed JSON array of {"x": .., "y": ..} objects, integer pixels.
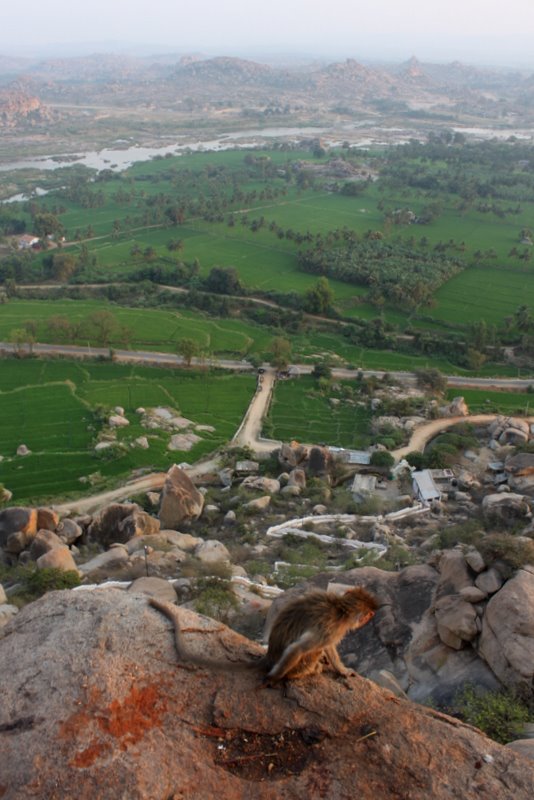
[
  {"x": 468, "y": 532},
  {"x": 417, "y": 459},
  {"x": 506, "y": 548},
  {"x": 500, "y": 715},
  {"x": 381, "y": 458},
  {"x": 34, "y": 583},
  {"x": 215, "y": 599}
]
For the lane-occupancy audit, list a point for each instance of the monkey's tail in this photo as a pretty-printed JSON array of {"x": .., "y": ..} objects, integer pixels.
[{"x": 171, "y": 612}]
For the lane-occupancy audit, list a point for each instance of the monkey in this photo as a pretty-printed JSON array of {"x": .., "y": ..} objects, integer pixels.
[{"x": 306, "y": 631}]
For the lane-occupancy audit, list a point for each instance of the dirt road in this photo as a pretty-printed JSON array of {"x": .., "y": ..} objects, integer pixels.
[{"x": 422, "y": 435}]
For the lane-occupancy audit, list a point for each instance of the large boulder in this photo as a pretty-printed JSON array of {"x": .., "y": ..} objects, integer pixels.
[
  {"x": 120, "y": 522},
  {"x": 505, "y": 508},
  {"x": 507, "y": 639},
  {"x": 69, "y": 531},
  {"x": 154, "y": 587},
  {"x": 58, "y": 558},
  {"x": 211, "y": 551},
  {"x": 456, "y": 408},
  {"x": 17, "y": 519},
  {"x": 180, "y": 499},
  {"x": 43, "y": 542},
  {"x": 454, "y": 574},
  {"x": 319, "y": 462},
  {"x": 456, "y": 621},
  {"x": 262, "y": 484},
  {"x": 124, "y": 720},
  {"x": 291, "y": 455},
  {"x": 47, "y": 519}
]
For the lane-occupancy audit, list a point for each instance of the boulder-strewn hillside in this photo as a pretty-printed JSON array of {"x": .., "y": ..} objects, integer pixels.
[
  {"x": 21, "y": 108},
  {"x": 348, "y": 85},
  {"x": 95, "y": 702}
]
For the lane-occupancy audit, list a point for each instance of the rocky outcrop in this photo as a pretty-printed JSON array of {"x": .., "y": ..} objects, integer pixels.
[
  {"x": 120, "y": 522},
  {"x": 505, "y": 508},
  {"x": 13, "y": 520},
  {"x": 440, "y": 628},
  {"x": 111, "y": 713},
  {"x": 456, "y": 408},
  {"x": 507, "y": 638},
  {"x": 180, "y": 500}
]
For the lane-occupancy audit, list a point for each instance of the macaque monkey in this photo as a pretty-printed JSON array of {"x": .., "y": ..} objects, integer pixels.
[{"x": 307, "y": 629}]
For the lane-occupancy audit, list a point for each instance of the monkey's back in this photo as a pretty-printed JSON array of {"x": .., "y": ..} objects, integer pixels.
[{"x": 316, "y": 611}]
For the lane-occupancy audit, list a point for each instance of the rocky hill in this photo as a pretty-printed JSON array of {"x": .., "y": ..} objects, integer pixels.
[
  {"x": 406, "y": 87},
  {"x": 21, "y": 108},
  {"x": 94, "y": 701}
]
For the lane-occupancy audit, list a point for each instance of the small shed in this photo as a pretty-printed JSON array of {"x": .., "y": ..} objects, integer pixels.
[
  {"x": 247, "y": 467},
  {"x": 27, "y": 240},
  {"x": 424, "y": 488}
]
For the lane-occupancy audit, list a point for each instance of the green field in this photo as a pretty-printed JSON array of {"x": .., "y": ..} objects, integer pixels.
[
  {"x": 56, "y": 409},
  {"x": 298, "y": 411},
  {"x": 268, "y": 263},
  {"x": 480, "y": 401},
  {"x": 161, "y": 330}
]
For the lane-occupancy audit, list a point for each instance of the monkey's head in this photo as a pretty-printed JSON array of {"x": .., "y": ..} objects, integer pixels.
[{"x": 361, "y": 605}]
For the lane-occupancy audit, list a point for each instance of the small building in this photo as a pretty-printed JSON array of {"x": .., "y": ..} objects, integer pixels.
[
  {"x": 26, "y": 241},
  {"x": 359, "y": 457},
  {"x": 424, "y": 487},
  {"x": 247, "y": 467}
]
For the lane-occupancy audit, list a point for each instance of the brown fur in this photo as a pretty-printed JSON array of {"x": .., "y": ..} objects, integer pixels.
[{"x": 305, "y": 631}]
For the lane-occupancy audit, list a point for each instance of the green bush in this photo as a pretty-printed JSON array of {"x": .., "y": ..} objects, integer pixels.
[
  {"x": 381, "y": 458},
  {"x": 417, "y": 459},
  {"x": 506, "y": 548},
  {"x": 34, "y": 583},
  {"x": 468, "y": 532},
  {"x": 500, "y": 715},
  {"x": 216, "y": 599}
]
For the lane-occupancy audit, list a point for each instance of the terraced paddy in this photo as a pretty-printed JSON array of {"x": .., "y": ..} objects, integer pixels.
[{"x": 58, "y": 408}]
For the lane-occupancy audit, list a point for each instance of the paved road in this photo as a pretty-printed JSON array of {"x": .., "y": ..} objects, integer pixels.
[{"x": 169, "y": 359}]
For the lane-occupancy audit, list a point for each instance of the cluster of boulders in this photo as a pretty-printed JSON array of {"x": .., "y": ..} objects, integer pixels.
[
  {"x": 452, "y": 621},
  {"x": 38, "y": 534},
  {"x": 315, "y": 461},
  {"x": 167, "y": 419},
  {"x": 182, "y": 435},
  {"x": 509, "y": 430},
  {"x": 390, "y": 422}
]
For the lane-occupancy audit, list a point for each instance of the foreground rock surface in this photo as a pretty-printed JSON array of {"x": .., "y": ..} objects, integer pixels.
[{"x": 115, "y": 715}]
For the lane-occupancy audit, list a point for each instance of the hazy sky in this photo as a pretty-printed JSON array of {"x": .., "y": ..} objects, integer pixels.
[{"x": 487, "y": 31}]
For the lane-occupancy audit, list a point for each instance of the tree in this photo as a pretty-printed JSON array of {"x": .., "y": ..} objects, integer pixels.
[
  {"x": 318, "y": 299},
  {"x": 63, "y": 266},
  {"x": 104, "y": 325},
  {"x": 382, "y": 458},
  {"x": 19, "y": 337},
  {"x": 280, "y": 352},
  {"x": 46, "y": 224},
  {"x": 187, "y": 348},
  {"x": 322, "y": 370},
  {"x": 223, "y": 280},
  {"x": 431, "y": 379}
]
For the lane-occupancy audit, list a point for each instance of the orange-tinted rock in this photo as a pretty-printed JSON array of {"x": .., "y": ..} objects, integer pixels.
[{"x": 114, "y": 715}]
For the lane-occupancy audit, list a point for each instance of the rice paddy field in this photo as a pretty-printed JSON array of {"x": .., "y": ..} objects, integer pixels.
[
  {"x": 58, "y": 408},
  {"x": 490, "y": 289},
  {"x": 300, "y": 412},
  {"x": 161, "y": 330}
]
